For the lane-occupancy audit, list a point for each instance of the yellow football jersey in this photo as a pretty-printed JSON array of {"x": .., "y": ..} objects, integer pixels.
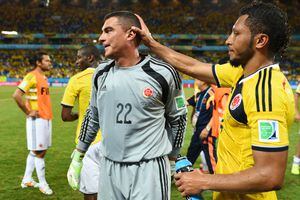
[
  {"x": 29, "y": 86},
  {"x": 259, "y": 112},
  {"x": 79, "y": 87}
]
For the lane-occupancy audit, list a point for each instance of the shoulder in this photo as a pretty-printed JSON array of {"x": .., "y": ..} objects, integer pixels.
[
  {"x": 161, "y": 66},
  {"x": 29, "y": 76},
  {"x": 226, "y": 75},
  {"x": 101, "y": 70},
  {"x": 104, "y": 66},
  {"x": 165, "y": 70}
]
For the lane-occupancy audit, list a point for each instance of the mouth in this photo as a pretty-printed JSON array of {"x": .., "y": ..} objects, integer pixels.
[
  {"x": 106, "y": 45},
  {"x": 230, "y": 51}
]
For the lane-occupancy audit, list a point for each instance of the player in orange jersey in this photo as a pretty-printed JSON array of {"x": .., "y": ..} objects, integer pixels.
[{"x": 37, "y": 107}]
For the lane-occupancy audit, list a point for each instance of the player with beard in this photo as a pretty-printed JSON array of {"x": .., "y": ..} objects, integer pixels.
[
  {"x": 37, "y": 107},
  {"x": 253, "y": 144}
]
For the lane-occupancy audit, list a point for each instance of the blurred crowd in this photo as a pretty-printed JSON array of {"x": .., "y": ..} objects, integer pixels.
[
  {"x": 15, "y": 63},
  {"x": 162, "y": 16}
]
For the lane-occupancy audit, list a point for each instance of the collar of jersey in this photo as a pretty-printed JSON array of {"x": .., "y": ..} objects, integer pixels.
[
  {"x": 274, "y": 66},
  {"x": 141, "y": 63}
]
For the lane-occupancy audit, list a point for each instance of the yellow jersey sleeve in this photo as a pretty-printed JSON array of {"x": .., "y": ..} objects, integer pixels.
[
  {"x": 28, "y": 82},
  {"x": 226, "y": 75},
  {"x": 269, "y": 129},
  {"x": 298, "y": 89},
  {"x": 71, "y": 93}
]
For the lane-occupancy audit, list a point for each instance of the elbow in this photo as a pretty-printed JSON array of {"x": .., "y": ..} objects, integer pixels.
[
  {"x": 64, "y": 117},
  {"x": 276, "y": 184},
  {"x": 273, "y": 183}
]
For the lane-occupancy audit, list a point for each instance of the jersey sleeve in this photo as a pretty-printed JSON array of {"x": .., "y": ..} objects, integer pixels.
[
  {"x": 28, "y": 82},
  {"x": 269, "y": 129},
  {"x": 226, "y": 75},
  {"x": 176, "y": 112},
  {"x": 71, "y": 93}
]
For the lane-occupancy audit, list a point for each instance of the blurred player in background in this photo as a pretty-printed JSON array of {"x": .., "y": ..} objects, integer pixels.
[
  {"x": 135, "y": 99},
  {"x": 201, "y": 140},
  {"x": 219, "y": 100},
  {"x": 37, "y": 107},
  {"x": 296, "y": 162},
  {"x": 253, "y": 145},
  {"x": 79, "y": 88}
]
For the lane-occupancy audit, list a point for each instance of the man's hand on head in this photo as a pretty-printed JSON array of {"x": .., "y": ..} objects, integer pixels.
[{"x": 144, "y": 33}]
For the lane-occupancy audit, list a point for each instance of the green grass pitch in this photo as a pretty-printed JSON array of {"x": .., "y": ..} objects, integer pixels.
[{"x": 13, "y": 153}]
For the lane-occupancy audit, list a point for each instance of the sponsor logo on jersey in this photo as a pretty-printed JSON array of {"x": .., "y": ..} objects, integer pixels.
[
  {"x": 180, "y": 103},
  {"x": 236, "y": 101},
  {"x": 268, "y": 131},
  {"x": 148, "y": 92}
]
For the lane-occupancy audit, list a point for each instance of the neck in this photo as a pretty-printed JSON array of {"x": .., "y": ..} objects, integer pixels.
[
  {"x": 130, "y": 58},
  {"x": 256, "y": 63},
  {"x": 39, "y": 70},
  {"x": 94, "y": 64}
]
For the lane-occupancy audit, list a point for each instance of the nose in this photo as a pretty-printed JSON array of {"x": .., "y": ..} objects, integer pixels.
[
  {"x": 101, "y": 38},
  {"x": 228, "y": 40}
]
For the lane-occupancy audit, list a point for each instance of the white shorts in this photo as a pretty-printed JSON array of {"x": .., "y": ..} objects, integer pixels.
[
  {"x": 39, "y": 133},
  {"x": 89, "y": 176}
]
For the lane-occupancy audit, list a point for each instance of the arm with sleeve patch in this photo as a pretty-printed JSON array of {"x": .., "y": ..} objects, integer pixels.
[{"x": 176, "y": 113}]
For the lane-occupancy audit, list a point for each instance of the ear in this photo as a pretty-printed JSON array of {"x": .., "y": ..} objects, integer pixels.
[
  {"x": 131, "y": 35},
  {"x": 37, "y": 63},
  {"x": 90, "y": 58},
  {"x": 261, "y": 40}
]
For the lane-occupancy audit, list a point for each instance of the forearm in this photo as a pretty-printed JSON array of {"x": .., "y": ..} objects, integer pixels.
[
  {"x": 71, "y": 117},
  {"x": 88, "y": 131},
  {"x": 22, "y": 105},
  {"x": 178, "y": 128},
  {"x": 251, "y": 180},
  {"x": 183, "y": 63}
]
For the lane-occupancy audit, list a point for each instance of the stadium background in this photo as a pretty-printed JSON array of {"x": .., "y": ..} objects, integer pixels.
[{"x": 194, "y": 27}]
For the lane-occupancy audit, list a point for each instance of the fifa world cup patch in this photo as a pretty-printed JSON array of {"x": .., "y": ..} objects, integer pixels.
[
  {"x": 268, "y": 131},
  {"x": 179, "y": 100}
]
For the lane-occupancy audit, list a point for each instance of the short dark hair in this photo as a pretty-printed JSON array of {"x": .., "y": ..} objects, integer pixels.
[
  {"x": 127, "y": 20},
  {"x": 89, "y": 50},
  {"x": 269, "y": 19},
  {"x": 37, "y": 57}
]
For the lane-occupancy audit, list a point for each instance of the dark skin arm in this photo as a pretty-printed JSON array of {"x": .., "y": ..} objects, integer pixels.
[
  {"x": 67, "y": 115},
  {"x": 266, "y": 174}
]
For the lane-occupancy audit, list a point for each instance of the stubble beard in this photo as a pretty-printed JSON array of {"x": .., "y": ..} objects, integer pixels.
[{"x": 244, "y": 57}]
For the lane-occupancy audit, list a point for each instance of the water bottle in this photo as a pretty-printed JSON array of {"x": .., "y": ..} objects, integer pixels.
[{"x": 184, "y": 165}]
